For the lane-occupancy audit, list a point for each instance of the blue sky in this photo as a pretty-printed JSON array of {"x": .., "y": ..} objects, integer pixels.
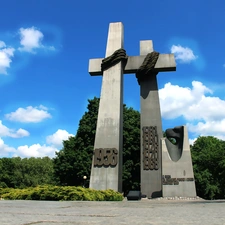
[{"x": 45, "y": 47}]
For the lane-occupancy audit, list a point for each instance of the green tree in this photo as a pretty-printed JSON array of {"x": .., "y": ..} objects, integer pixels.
[
  {"x": 19, "y": 173},
  {"x": 131, "y": 150},
  {"x": 74, "y": 160},
  {"x": 208, "y": 156},
  {"x": 6, "y": 172}
]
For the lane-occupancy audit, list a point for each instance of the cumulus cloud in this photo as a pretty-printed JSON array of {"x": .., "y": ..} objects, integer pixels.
[
  {"x": 211, "y": 128},
  {"x": 58, "y": 137},
  {"x": 204, "y": 113},
  {"x": 29, "y": 114},
  {"x": 30, "y": 39},
  {"x": 7, "y": 132},
  {"x": 183, "y": 54},
  {"x": 2, "y": 44},
  {"x": 35, "y": 150},
  {"x": 6, "y": 54},
  {"x": 5, "y": 150},
  {"x": 53, "y": 144},
  {"x": 176, "y": 100}
]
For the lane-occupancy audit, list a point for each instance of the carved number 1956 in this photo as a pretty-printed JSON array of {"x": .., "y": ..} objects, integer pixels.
[{"x": 105, "y": 157}]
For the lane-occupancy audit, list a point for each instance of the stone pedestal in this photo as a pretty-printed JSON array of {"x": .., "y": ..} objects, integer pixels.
[{"x": 177, "y": 170}]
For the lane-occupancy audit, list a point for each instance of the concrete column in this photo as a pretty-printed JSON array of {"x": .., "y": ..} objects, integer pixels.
[
  {"x": 151, "y": 177},
  {"x": 109, "y": 131}
]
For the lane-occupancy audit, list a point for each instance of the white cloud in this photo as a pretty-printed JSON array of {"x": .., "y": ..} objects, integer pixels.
[
  {"x": 29, "y": 114},
  {"x": 204, "y": 114},
  {"x": 6, "y": 54},
  {"x": 35, "y": 150},
  {"x": 51, "y": 48},
  {"x": 176, "y": 100},
  {"x": 6, "y": 132},
  {"x": 30, "y": 39},
  {"x": 58, "y": 137},
  {"x": 54, "y": 144},
  {"x": 43, "y": 107},
  {"x": 192, "y": 141},
  {"x": 20, "y": 133},
  {"x": 2, "y": 44},
  {"x": 5, "y": 150},
  {"x": 183, "y": 54},
  {"x": 209, "y": 128}
]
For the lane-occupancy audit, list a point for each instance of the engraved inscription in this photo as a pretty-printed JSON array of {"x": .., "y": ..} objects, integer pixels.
[
  {"x": 167, "y": 180},
  {"x": 105, "y": 157},
  {"x": 150, "y": 148}
]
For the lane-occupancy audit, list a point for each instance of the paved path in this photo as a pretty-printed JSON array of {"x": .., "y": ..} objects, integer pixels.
[{"x": 126, "y": 212}]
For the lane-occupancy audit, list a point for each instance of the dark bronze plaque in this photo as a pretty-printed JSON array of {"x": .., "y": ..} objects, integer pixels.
[
  {"x": 150, "y": 148},
  {"x": 105, "y": 157}
]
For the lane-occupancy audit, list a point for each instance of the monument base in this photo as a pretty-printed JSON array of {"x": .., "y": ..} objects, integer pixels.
[{"x": 177, "y": 170}]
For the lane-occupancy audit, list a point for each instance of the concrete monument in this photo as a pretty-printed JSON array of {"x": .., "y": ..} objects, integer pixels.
[
  {"x": 106, "y": 169},
  {"x": 151, "y": 123}
]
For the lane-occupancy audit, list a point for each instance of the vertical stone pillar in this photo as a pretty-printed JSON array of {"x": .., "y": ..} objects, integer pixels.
[
  {"x": 106, "y": 171},
  {"x": 151, "y": 132}
]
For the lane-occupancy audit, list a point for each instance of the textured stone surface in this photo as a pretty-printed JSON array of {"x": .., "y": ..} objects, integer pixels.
[
  {"x": 160, "y": 211},
  {"x": 110, "y": 118},
  {"x": 182, "y": 170},
  {"x": 165, "y": 62},
  {"x": 151, "y": 180},
  {"x": 109, "y": 126}
]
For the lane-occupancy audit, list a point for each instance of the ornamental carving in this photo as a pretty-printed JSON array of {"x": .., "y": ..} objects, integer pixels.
[{"x": 150, "y": 148}]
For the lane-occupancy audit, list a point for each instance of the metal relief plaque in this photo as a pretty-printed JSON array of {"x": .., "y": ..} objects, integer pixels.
[
  {"x": 150, "y": 148},
  {"x": 105, "y": 157}
]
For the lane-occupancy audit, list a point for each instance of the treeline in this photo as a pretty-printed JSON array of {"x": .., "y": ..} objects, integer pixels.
[
  {"x": 73, "y": 162},
  {"x": 28, "y": 172},
  {"x": 208, "y": 157}
]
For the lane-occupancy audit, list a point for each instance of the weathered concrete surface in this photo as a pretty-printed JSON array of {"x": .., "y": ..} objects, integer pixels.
[
  {"x": 109, "y": 125},
  {"x": 151, "y": 180},
  {"x": 126, "y": 212},
  {"x": 109, "y": 129},
  {"x": 181, "y": 169},
  {"x": 165, "y": 62}
]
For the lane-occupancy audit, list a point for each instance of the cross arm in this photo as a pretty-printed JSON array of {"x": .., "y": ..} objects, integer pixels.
[{"x": 165, "y": 62}]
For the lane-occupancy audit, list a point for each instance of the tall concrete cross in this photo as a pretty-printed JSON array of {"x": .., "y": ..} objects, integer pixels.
[
  {"x": 151, "y": 125},
  {"x": 106, "y": 171},
  {"x": 109, "y": 126}
]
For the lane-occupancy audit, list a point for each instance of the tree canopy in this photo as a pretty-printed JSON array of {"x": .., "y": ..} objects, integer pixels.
[
  {"x": 73, "y": 162},
  {"x": 208, "y": 156},
  {"x": 19, "y": 173}
]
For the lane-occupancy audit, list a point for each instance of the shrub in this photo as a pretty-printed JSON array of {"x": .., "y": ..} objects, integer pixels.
[{"x": 60, "y": 193}]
